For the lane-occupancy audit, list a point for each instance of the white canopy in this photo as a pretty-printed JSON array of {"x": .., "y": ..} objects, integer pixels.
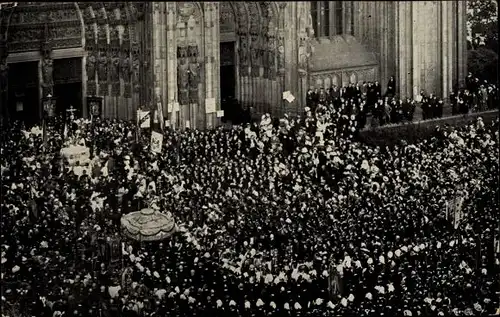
[{"x": 148, "y": 225}]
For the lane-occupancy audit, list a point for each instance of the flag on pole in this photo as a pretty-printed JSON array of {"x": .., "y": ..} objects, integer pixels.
[
  {"x": 65, "y": 133},
  {"x": 156, "y": 142},
  {"x": 457, "y": 210},
  {"x": 159, "y": 114},
  {"x": 33, "y": 204},
  {"x": 44, "y": 132},
  {"x": 143, "y": 119}
]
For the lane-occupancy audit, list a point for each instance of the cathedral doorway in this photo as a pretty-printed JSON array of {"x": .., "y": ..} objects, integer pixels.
[
  {"x": 23, "y": 92},
  {"x": 228, "y": 79},
  {"x": 68, "y": 85}
]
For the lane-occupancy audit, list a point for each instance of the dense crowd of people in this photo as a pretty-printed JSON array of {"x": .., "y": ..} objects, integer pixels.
[
  {"x": 287, "y": 217},
  {"x": 368, "y": 99}
]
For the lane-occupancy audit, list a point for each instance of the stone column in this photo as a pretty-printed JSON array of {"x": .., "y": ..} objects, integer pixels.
[
  {"x": 403, "y": 49},
  {"x": 171, "y": 74},
  {"x": 347, "y": 16},
  {"x": 85, "y": 112},
  {"x": 4, "y": 75},
  {"x": 461, "y": 40},
  {"x": 384, "y": 39},
  {"x": 291, "y": 80},
  {"x": 212, "y": 59},
  {"x": 159, "y": 52},
  {"x": 444, "y": 49},
  {"x": 416, "y": 36}
]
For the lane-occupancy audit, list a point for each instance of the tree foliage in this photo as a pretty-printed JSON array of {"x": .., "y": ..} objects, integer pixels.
[
  {"x": 482, "y": 63},
  {"x": 482, "y": 23},
  {"x": 482, "y": 38}
]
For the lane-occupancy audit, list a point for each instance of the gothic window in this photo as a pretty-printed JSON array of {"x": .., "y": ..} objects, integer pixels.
[
  {"x": 326, "y": 17},
  {"x": 330, "y": 18},
  {"x": 338, "y": 17},
  {"x": 314, "y": 16}
]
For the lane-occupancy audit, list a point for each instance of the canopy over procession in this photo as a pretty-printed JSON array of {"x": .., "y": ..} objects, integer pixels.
[{"x": 257, "y": 219}]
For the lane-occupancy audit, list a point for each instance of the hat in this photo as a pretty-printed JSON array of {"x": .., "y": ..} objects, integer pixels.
[{"x": 344, "y": 302}]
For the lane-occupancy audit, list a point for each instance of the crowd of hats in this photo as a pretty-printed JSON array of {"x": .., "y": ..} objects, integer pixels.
[
  {"x": 385, "y": 107},
  {"x": 271, "y": 217}
]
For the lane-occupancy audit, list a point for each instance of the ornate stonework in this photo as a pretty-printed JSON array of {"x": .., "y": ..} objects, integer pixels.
[
  {"x": 131, "y": 48},
  {"x": 227, "y": 20},
  {"x": 24, "y": 32}
]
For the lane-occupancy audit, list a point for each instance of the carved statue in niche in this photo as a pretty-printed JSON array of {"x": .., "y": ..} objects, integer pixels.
[
  {"x": 114, "y": 36},
  {"x": 302, "y": 58},
  {"x": 4, "y": 74},
  {"x": 182, "y": 81},
  {"x": 243, "y": 54},
  {"x": 125, "y": 66},
  {"x": 136, "y": 65},
  {"x": 102, "y": 72},
  {"x": 47, "y": 71},
  {"x": 194, "y": 75},
  {"x": 255, "y": 54},
  {"x": 243, "y": 51},
  {"x": 91, "y": 61},
  {"x": 281, "y": 53},
  {"x": 192, "y": 52},
  {"x": 271, "y": 66},
  {"x": 303, "y": 64},
  {"x": 115, "y": 66},
  {"x": 265, "y": 62},
  {"x": 103, "y": 67},
  {"x": 115, "y": 72}
]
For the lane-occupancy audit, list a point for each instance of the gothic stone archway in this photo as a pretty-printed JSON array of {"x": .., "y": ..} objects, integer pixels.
[
  {"x": 257, "y": 32},
  {"x": 102, "y": 35},
  {"x": 254, "y": 27},
  {"x": 33, "y": 31}
]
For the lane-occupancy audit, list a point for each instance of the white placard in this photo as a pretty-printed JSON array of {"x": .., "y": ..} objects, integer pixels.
[
  {"x": 143, "y": 117},
  {"x": 76, "y": 153},
  {"x": 188, "y": 124},
  {"x": 210, "y": 105},
  {"x": 220, "y": 113},
  {"x": 167, "y": 123},
  {"x": 19, "y": 106},
  {"x": 176, "y": 106},
  {"x": 170, "y": 107},
  {"x": 156, "y": 142},
  {"x": 287, "y": 95}
]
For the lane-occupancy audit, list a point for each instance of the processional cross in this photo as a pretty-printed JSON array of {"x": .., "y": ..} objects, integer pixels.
[{"x": 71, "y": 112}]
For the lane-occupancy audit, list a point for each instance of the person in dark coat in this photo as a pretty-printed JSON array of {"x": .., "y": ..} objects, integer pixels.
[{"x": 391, "y": 87}]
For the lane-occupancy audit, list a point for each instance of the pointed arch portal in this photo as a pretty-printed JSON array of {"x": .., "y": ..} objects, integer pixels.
[
  {"x": 248, "y": 56},
  {"x": 70, "y": 50}
]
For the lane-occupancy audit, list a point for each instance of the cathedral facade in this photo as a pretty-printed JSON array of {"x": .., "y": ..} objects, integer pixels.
[{"x": 190, "y": 57}]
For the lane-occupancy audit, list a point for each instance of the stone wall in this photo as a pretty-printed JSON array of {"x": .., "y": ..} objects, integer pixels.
[
  {"x": 187, "y": 58},
  {"x": 103, "y": 35},
  {"x": 430, "y": 46}
]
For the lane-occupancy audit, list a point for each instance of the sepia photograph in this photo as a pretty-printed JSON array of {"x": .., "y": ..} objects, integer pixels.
[{"x": 253, "y": 159}]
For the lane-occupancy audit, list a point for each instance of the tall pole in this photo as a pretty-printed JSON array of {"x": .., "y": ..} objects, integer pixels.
[{"x": 4, "y": 68}]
